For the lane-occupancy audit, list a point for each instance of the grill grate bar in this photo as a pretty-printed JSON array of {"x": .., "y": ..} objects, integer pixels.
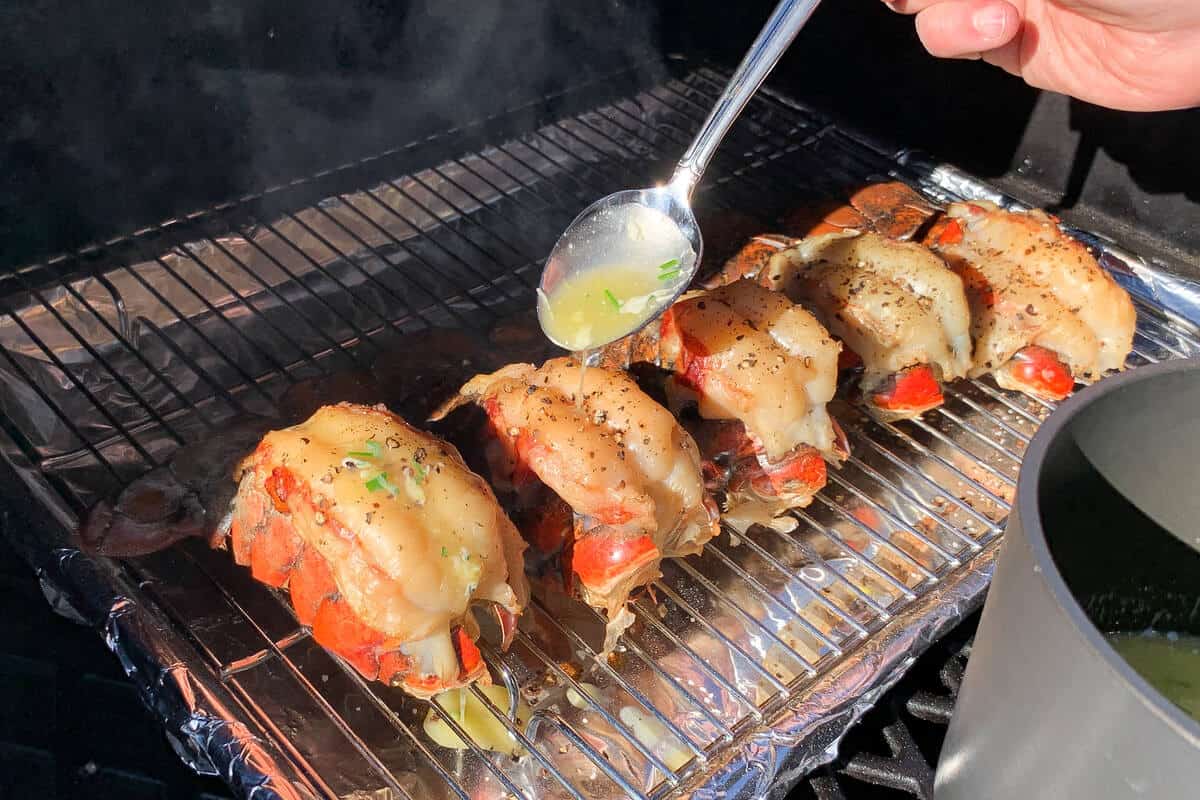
[
  {"x": 379, "y": 313},
  {"x": 765, "y": 593},
  {"x": 919, "y": 502},
  {"x": 995, "y": 419},
  {"x": 76, "y": 382},
  {"x": 596, "y": 758},
  {"x": 826, "y": 603},
  {"x": 974, "y": 543},
  {"x": 53, "y": 405},
  {"x": 1154, "y": 340},
  {"x": 363, "y": 336},
  {"x": 517, "y": 198},
  {"x": 874, "y": 535},
  {"x": 470, "y": 220},
  {"x": 998, "y": 395},
  {"x": 243, "y": 301},
  {"x": 508, "y": 221},
  {"x": 1149, "y": 358},
  {"x": 515, "y": 731},
  {"x": 613, "y": 675},
  {"x": 821, "y": 170},
  {"x": 741, "y": 134},
  {"x": 459, "y": 731},
  {"x": 540, "y": 179},
  {"x": 262, "y": 352},
  {"x": 858, "y": 557},
  {"x": 187, "y": 321},
  {"x": 352, "y": 354},
  {"x": 935, "y": 433},
  {"x": 91, "y": 351},
  {"x": 926, "y": 452},
  {"x": 409, "y": 275},
  {"x": 980, "y": 435},
  {"x": 134, "y": 351},
  {"x": 647, "y": 617},
  {"x": 458, "y": 235},
  {"x": 227, "y": 395},
  {"x": 726, "y": 734},
  {"x": 1151, "y": 329},
  {"x": 415, "y": 230},
  {"x": 590, "y": 189},
  {"x": 718, "y": 165},
  {"x": 944, "y": 554},
  {"x": 596, "y": 705},
  {"x": 700, "y": 618},
  {"x": 745, "y": 615}
]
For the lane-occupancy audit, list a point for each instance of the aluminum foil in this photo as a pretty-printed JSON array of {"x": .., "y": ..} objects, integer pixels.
[
  {"x": 203, "y": 723},
  {"x": 1157, "y": 285},
  {"x": 749, "y": 663}
]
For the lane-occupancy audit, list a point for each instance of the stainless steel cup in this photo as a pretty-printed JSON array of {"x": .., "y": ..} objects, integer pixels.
[{"x": 1047, "y": 708}]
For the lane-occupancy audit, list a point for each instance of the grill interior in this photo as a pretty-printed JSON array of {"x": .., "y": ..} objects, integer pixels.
[{"x": 115, "y": 357}]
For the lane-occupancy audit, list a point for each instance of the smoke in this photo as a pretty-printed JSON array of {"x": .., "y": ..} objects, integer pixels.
[{"x": 118, "y": 115}]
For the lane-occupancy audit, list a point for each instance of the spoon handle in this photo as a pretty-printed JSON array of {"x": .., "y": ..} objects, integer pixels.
[{"x": 786, "y": 21}]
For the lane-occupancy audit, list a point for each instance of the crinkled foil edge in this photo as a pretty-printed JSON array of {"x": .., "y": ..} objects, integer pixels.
[{"x": 205, "y": 724}]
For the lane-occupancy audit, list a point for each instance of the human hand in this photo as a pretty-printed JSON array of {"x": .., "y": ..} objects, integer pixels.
[{"x": 1134, "y": 55}]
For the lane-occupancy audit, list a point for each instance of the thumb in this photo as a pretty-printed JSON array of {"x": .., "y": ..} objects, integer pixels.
[{"x": 967, "y": 28}]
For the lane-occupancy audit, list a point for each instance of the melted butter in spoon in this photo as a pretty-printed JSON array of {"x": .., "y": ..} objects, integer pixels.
[{"x": 604, "y": 303}]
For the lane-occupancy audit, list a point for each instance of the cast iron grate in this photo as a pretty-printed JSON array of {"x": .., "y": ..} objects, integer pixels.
[{"x": 892, "y": 752}]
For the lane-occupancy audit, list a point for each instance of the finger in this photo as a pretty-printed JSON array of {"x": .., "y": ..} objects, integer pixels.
[
  {"x": 967, "y": 28},
  {"x": 911, "y": 6}
]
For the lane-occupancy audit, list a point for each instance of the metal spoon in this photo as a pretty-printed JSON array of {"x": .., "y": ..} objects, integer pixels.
[{"x": 651, "y": 227}]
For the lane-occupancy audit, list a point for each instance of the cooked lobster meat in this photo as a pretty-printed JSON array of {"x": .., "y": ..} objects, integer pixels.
[
  {"x": 759, "y": 370},
  {"x": 384, "y": 540},
  {"x": 1045, "y": 314},
  {"x": 604, "y": 481},
  {"x": 892, "y": 209},
  {"x": 895, "y": 305}
]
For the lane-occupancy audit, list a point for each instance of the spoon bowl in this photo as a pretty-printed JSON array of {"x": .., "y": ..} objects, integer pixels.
[
  {"x": 629, "y": 256},
  {"x": 646, "y": 240}
]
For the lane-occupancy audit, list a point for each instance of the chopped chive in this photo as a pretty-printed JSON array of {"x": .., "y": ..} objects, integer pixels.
[
  {"x": 372, "y": 449},
  {"x": 445, "y": 552},
  {"x": 419, "y": 472},
  {"x": 666, "y": 276},
  {"x": 669, "y": 265},
  {"x": 612, "y": 299},
  {"x": 381, "y": 483}
]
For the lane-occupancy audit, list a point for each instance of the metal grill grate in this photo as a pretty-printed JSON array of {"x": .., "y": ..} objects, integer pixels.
[{"x": 113, "y": 359}]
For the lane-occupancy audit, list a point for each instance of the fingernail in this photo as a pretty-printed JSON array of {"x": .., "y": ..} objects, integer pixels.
[{"x": 989, "y": 22}]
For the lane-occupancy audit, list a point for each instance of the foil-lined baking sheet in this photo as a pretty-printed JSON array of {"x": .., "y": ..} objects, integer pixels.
[{"x": 746, "y": 664}]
